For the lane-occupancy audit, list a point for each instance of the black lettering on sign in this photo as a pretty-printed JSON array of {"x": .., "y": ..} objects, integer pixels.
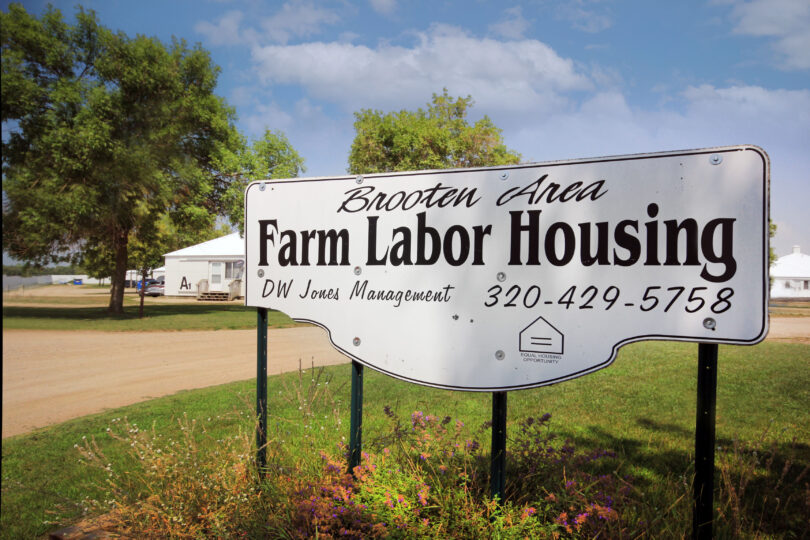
[
  {"x": 367, "y": 198},
  {"x": 681, "y": 242},
  {"x": 185, "y": 285},
  {"x": 281, "y": 288},
  {"x": 455, "y": 244},
  {"x": 537, "y": 192},
  {"x": 332, "y": 245}
]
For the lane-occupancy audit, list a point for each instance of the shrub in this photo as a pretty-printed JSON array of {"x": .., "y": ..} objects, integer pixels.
[
  {"x": 430, "y": 479},
  {"x": 427, "y": 477}
]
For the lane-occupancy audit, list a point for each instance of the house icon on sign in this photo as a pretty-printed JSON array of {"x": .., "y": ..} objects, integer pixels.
[{"x": 541, "y": 337}]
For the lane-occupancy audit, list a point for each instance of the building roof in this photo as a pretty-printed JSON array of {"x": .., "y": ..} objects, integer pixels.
[
  {"x": 231, "y": 245},
  {"x": 795, "y": 265}
]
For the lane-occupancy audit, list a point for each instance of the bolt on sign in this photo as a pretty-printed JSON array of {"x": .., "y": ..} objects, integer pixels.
[{"x": 505, "y": 278}]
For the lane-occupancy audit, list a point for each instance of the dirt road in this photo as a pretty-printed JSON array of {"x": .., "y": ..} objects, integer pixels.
[
  {"x": 50, "y": 376},
  {"x": 795, "y": 329}
]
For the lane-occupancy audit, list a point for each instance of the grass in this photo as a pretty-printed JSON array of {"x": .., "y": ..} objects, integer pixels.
[
  {"x": 67, "y": 301},
  {"x": 165, "y": 317},
  {"x": 642, "y": 408}
]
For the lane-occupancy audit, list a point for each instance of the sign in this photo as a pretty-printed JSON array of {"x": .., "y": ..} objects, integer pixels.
[{"x": 514, "y": 277}]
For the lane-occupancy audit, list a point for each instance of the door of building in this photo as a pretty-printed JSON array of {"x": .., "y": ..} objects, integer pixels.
[{"x": 215, "y": 278}]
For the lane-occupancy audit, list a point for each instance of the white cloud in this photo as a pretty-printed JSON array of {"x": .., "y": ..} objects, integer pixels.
[
  {"x": 512, "y": 26},
  {"x": 225, "y": 31},
  {"x": 604, "y": 123},
  {"x": 701, "y": 116},
  {"x": 788, "y": 21},
  {"x": 583, "y": 17},
  {"x": 501, "y": 75},
  {"x": 383, "y": 7},
  {"x": 268, "y": 116},
  {"x": 297, "y": 19},
  {"x": 242, "y": 96},
  {"x": 306, "y": 110}
]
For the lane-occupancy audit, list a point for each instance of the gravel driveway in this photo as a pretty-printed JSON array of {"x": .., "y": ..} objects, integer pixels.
[{"x": 53, "y": 376}]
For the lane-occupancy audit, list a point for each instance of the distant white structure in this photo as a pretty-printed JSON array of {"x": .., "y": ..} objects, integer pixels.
[
  {"x": 12, "y": 283},
  {"x": 134, "y": 276},
  {"x": 214, "y": 266},
  {"x": 791, "y": 276}
]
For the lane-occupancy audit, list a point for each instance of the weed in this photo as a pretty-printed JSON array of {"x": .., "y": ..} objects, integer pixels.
[
  {"x": 426, "y": 477},
  {"x": 764, "y": 487},
  {"x": 170, "y": 488}
]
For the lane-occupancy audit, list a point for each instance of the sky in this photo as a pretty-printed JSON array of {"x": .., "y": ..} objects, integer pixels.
[{"x": 562, "y": 79}]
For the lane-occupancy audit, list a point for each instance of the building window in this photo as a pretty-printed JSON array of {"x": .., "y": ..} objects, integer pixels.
[
  {"x": 787, "y": 284},
  {"x": 806, "y": 284},
  {"x": 234, "y": 270},
  {"x": 216, "y": 272}
]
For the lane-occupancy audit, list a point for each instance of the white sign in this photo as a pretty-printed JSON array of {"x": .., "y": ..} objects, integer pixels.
[{"x": 514, "y": 277}]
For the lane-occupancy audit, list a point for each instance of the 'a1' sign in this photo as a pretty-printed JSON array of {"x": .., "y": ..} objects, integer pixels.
[{"x": 514, "y": 277}]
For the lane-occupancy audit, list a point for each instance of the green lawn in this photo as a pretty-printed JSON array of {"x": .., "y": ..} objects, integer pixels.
[
  {"x": 642, "y": 407},
  {"x": 157, "y": 317}
]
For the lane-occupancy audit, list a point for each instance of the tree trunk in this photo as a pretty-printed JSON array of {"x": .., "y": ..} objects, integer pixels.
[
  {"x": 119, "y": 277},
  {"x": 143, "y": 292}
]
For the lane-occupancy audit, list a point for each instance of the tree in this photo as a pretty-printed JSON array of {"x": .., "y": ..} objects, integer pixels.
[
  {"x": 271, "y": 156},
  {"x": 437, "y": 138},
  {"x": 107, "y": 135}
]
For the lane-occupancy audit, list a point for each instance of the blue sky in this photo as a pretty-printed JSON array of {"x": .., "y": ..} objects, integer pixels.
[{"x": 563, "y": 79}]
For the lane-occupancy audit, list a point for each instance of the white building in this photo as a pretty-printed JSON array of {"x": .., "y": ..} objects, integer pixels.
[
  {"x": 791, "y": 276},
  {"x": 214, "y": 266},
  {"x": 134, "y": 276}
]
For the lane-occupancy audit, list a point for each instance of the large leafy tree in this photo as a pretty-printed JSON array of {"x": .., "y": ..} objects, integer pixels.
[
  {"x": 437, "y": 138},
  {"x": 271, "y": 156},
  {"x": 106, "y": 135}
]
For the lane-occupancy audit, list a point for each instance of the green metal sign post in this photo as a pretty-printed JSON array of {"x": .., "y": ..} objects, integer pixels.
[
  {"x": 356, "y": 421},
  {"x": 498, "y": 452},
  {"x": 261, "y": 388},
  {"x": 703, "y": 512}
]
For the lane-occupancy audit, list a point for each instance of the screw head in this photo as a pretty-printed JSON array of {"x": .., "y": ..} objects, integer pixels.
[
  {"x": 504, "y": 175},
  {"x": 260, "y": 273},
  {"x": 261, "y": 187},
  {"x": 501, "y": 277},
  {"x": 357, "y": 270},
  {"x": 499, "y": 355},
  {"x": 709, "y": 323},
  {"x": 359, "y": 179},
  {"x": 716, "y": 159},
  {"x": 356, "y": 341}
]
